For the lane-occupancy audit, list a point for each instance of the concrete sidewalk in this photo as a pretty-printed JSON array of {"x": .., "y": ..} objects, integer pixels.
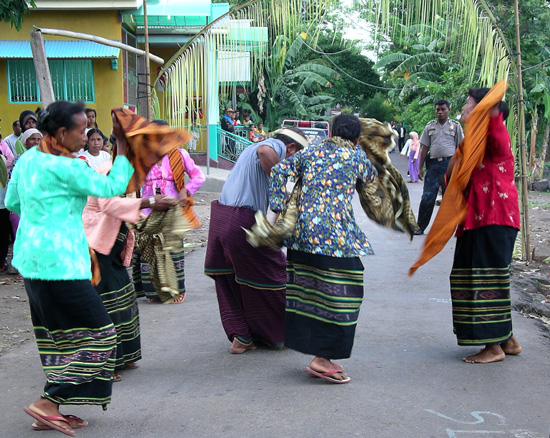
[
  {"x": 407, "y": 376},
  {"x": 214, "y": 179}
]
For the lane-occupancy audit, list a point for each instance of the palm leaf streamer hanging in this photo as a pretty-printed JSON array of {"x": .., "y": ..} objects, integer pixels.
[{"x": 466, "y": 25}]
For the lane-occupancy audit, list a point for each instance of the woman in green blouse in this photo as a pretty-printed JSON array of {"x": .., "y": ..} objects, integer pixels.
[{"x": 75, "y": 336}]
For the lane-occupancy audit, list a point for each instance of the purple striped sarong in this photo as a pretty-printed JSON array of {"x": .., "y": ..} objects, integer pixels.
[{"x": 250, "y": 282}]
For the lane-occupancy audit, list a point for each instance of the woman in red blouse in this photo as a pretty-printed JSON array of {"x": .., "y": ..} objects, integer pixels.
[{"x": 480, "y": 278}]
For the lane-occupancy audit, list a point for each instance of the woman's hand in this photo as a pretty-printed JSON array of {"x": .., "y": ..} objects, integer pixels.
[
  {"x": 160, "y": 202},
  {"x": 183, "y": 196},
  {"x": 121, "y": 143}
]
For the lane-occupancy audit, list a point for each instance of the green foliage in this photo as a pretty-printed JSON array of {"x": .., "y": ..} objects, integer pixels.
[
  {"x": 416, "y": 116},
  {"x": 294, "y": 89},
  {"x": 357, "y": 81},
  {"x": 12, "y": 11},
  {"x": 379, "y": 108}
]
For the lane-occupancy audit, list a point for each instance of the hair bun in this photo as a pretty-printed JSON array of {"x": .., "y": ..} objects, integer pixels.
[{"x": 43, "y": 116}]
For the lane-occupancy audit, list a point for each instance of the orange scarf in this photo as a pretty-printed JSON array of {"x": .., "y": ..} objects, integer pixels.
[
  {"x": 468, "y": 156},
  {"x": 49, "y": 145},
  {"x": 147, "y": 143},
  {"x": 178, "y": 172}
]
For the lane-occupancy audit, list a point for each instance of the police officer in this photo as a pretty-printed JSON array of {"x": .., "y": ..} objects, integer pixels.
[{"x": 439, "y": 141}]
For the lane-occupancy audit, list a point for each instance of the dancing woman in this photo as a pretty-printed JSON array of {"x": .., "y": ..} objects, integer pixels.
[
  {"x": 75, "y": 337},
  {"x": 324, "y": 272}
]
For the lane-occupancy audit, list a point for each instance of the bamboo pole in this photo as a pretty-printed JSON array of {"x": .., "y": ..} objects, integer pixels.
[
  {"x": 522, "y": 147},
  {"x": 147, "y": 64},
  {"x": 100, "y": 40}
]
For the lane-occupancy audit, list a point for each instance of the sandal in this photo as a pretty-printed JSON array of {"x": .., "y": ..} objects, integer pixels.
[
  {"x": 117, "y": 377},
  {"x": 153, "y": 300},
  {"x": 179, "y": 299},
  {"x": 131, "y": 366},
  {"x": 328, "y": 375},
  {"x": 74, "y": 421}
]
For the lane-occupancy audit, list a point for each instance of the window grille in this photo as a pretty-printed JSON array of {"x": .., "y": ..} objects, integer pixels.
[
  {"x": 22, "y": 81},
  {"x": 72, "y": 79}
]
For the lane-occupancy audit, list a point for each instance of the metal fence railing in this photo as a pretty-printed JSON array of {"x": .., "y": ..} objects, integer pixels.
[{"x": 230, "y": 145}]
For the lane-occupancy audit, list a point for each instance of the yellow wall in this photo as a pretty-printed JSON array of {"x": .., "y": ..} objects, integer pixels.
[{"x": 108, "y": 83}]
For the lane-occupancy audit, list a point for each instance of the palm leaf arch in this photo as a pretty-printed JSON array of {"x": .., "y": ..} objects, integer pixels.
[{"x": 186, "y": 71}]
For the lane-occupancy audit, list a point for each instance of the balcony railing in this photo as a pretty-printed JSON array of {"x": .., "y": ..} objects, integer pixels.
[{"x": 231, "y": 145}]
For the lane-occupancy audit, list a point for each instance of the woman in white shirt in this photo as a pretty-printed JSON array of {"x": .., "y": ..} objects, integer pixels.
[{"x": 95, "y": 156}]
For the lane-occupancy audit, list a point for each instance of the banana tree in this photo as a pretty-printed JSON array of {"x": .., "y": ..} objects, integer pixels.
[{"x": 294, "y": 91}]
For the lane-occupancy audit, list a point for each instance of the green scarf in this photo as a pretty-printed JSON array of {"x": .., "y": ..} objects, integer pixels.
[
  {"x": 19, "y": 148},
  {"x": 3, "y": 172}
]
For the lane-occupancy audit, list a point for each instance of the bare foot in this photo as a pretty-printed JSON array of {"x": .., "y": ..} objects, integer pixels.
[
  {"x": 44, "y": 407},
  {"x": 491, "y": 353},
  {"x": 238, "y": 348},
  {"x": 322, "y": 365},
  {"x": 511, "y": 346}
]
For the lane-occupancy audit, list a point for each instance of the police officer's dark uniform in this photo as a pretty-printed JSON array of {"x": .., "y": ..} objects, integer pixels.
[{"x": 442, "y": 141}]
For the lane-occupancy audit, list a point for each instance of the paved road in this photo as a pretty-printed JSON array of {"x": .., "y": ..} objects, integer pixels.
[{"x": 407, "y": 376}]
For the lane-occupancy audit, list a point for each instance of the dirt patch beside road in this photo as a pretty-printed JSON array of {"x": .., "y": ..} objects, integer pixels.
[{"x": 531, "y": 282}]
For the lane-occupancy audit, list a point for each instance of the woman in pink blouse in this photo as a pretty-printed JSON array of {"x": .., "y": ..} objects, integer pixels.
[{"x": 160, "y": 181}]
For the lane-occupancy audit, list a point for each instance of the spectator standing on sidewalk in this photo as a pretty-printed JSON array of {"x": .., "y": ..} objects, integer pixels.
[
  {"x": 12, "y": 138},
  {"x": 439, "y": 141}
]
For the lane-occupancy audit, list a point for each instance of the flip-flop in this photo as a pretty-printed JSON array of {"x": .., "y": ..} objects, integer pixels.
[
  {"x": 82, "y": 424},
  {"x": 328, "y": 375},
  {"x": 47, "y": 420},
  {"x": 179, "y": 299},
  {"x": 117, "y": 377}
]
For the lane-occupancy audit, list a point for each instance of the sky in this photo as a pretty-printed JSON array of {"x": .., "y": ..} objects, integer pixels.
[{"x": 355, "y": 33}]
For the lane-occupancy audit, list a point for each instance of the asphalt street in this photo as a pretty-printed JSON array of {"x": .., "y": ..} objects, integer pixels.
[{"x": 408, "y": 379}]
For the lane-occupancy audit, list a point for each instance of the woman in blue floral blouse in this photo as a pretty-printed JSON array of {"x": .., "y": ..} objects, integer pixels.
[{"x": 324, "y": 271}]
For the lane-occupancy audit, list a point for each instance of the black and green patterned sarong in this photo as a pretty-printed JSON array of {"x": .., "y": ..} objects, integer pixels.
[
  {"x": 119, "y": 297},
  {"x": 323, "y": 297},
  {"x": 76, "y": 341},
  {"x": 480, "y": 285}
]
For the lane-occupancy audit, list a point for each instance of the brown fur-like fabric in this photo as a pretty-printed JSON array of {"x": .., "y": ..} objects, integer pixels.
[{"x": 386, "y": 201}]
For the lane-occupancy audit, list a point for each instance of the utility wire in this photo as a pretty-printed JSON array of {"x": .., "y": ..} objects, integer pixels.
[
  {"x": 533, "y": 66},
  {"x": 346, "y": 73}
]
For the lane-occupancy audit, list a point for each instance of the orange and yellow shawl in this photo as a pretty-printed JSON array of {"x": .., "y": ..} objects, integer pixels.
[
  {"x": 147, "y": 143},
  {"x": 468, "y": 156}
]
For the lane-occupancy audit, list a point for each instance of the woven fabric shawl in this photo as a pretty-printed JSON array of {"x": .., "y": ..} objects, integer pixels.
[
  {"x": 158, "y": 235},
  {"x": 386, "y": 200},
  {"x": 147, "y": 143},
  {"x": 468, "y": 156},
  {"x": 178, "y": 172},
  {"x": 3, "y": 172}
]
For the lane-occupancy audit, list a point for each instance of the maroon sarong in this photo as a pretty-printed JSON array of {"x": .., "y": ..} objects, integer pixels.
[{"x": 250, "y": 282}]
